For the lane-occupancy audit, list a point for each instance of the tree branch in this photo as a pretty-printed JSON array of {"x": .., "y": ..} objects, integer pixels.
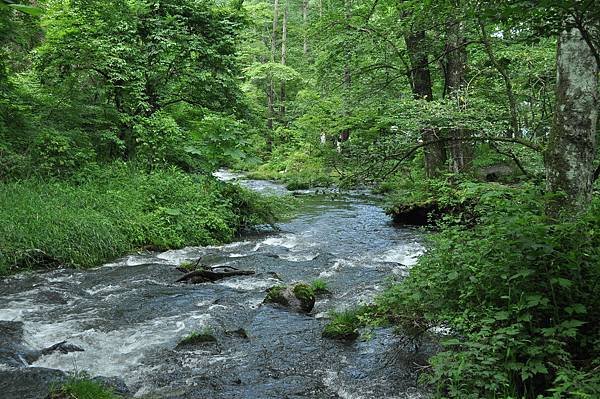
[
  {"x": 410, "y": 152},
  {"x": 512, "y": 156}
]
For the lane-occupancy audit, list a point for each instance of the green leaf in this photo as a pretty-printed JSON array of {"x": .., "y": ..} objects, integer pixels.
[
  {"x": 502, "y": 315},
  {"x": 563, "y": 282},
  {"x": 172, "y": 211},
  {"x": 35, "y": 11}
]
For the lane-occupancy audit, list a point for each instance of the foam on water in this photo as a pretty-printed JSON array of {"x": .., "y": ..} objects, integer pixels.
[
  {"x": 227, "y": 247},
  {"x": 299, "y": 257},
  {"x": 103, "y": 289},
  {"x": 181, "y": 255},
  {"x": 288, "y": 241},
  {"x": 249, "y": 284},
  {"x": 332, "y": 381},
  {"x": 114, "y": 352},
  {"x": 18, "y": 310}
]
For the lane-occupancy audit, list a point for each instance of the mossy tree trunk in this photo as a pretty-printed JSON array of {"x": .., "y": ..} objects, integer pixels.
[{"x": 571, "y": 148}]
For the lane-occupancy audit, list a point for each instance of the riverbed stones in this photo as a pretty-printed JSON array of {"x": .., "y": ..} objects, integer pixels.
[{"x": 299, "y": 297}]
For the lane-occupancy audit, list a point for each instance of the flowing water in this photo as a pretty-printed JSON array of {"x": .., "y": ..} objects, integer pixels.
[{"x": 128, "y": 316}]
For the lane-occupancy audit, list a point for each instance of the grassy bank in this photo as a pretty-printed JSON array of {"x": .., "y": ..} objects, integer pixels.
[{"x": 101, "y": 214}]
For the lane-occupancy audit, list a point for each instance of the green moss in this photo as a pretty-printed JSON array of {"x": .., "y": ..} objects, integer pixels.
[
  {"x": 195, "y": 338},
  {"x": 275, "y": 295},
  {"x": 77, "y": 388},
  {"x": 188, "y": 266}
]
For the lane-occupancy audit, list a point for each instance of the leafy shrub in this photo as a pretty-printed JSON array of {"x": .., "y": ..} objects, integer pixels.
[
  {"x": 160, "y": 142},
  {"x": 57, "y": 153},
  {"x": 12, "y": 164},
  {"x": 452, "y": 199},
  {"x": 519, "y": 293}
]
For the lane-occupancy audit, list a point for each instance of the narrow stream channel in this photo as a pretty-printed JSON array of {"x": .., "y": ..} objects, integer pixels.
[{"x": 129, "y": 315}]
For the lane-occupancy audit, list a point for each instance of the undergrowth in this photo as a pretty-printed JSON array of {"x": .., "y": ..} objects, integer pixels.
[
  {"x": 104, "y": 213},
  {"x": 296, "y": 169},
  {"x": 518, "y": 291}
]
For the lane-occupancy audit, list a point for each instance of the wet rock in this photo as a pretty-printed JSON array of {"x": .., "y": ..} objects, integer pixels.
[
  {"x": 11, "y": 349},
  {"x": 274, "y": 275},
  {"x": 62, "y": 347},
  {"x": 29, "y": 383},
  {"x": 299, "y": 297},
  {"x": 205, "y": 276},
  {"x": 496, "y": 172},
  {"x": 52, "y": 297},
  {"x": 240, "y": 332}
]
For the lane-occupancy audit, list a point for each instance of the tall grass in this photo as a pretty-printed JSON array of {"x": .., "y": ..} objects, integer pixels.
[{"x": 105, "y": 213}]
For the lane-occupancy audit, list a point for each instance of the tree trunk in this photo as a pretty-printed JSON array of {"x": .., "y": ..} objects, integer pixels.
[
  {"x": 347, "y": 79},
  {"x": 271, "y": 89},
  {"x": 571, "y": 148},
  {"x": 419, "y": 64},
  {"x": 461, "y": 151},
  {"x": 305, "y": 25},
  {"x": 435, "y": 154},
  {"x": 283, "y": 58}
]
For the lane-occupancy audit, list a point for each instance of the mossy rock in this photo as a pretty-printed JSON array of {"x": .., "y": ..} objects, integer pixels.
[
  {"x": 303, "y": 292},
  {"x": 299, "y": 297},
  {"x": 197, "y": 338},
  {"x": 276, "y": 295}
]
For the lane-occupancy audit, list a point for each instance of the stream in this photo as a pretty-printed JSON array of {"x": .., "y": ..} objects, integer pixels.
[{"x": 128, "y": 316}]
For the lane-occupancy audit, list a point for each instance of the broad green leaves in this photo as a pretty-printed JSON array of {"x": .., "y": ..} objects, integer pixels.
[{"x": 31, "y": 10}]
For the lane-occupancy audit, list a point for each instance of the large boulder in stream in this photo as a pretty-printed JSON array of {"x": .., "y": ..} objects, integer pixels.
[{"x": 299, "y": 297}]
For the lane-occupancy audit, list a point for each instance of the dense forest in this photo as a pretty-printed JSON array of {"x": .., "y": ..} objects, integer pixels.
[{"x": 474, "y": 119}]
